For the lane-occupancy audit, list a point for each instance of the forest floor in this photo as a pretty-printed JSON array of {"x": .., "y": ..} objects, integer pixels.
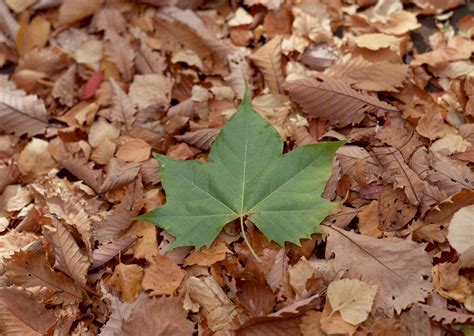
[{"x": 91, "y": 90}]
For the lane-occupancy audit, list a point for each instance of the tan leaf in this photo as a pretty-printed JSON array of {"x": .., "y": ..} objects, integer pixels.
[
  {"x": 272, "y": 327},
  {"x": 123, "y": 109},
  {"x": 445, "y": 316},
  {"x": 146, "y": 246},
  {"x": 377, "y": 41},
  {"x": 79, "y": 168},
  {"x": 106, "y": 252},
  {"x": 461, "y": 231},
  {"x": 172, "y": 319},
  {"x": 89, "y": 53},
  {"x": 22, "y": 314},
  {"x": 8, "y": 23},
  {"x": 68, "y": 257},
  {"x": 399, "y": 23},
  {"x": 102, "y": 129},
  {"x": 310, "y": 323},
  {"x": 35, "y": 158},
  {"x": 240, "y": 72},
  {"x": 347, "y": 106},
  {"x": 268, "y": 59},
  {"x": 109, "y": 18},
  {"x": 365, "y": 75},
  {"x": 22, "y": 114},
  {"x": 14, "y": 198},
  {"x": 275, "y": 109},
  {"x": 299, "y": 274},
  {"x": 64, "y": 88},
  {"x": 134, "y": 150},
  {"x": 149, "y": 61},
  {"x": 456, "y": 48},
  {"x": 395, "y": 211},
  {"x": 202, "y": 138},
  {"x": 119, "y": 313},
  {"x": 19, "y": 6},
  {"x": 32, "y": 35},
  {"x": 401, "y": 268},
  {"x": 396, "y": 171},
  {"x": 150, "y": 89},
  {"x": 14, "y": 241},
  {"x": 163, "y": 276},
  {"x": 332, "y": 322},
  {"x": 75, "y": 10},
  {"x": 352, "y": 298},
  {"x": 369, "y": 220},
  {"x": 127, "y": 280},
  {"x": 103, "y": 153},
  {"x": 208, "y": 256},
  {"x": 257, "y": 298},
  {"x": 216, "y": 307},
  {"x": 31, "y": 269},
  {"x": 270, "y": 4},
  {"x": 120, "y": 53},
  {"x": 431, "y": 125}
]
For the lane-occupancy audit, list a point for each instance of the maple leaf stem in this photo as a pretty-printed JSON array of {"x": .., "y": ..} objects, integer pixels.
[{"x": 247, "y": 241}]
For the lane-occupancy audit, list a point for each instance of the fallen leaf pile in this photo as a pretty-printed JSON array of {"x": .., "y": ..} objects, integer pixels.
[{"x": 90, "y": 90}]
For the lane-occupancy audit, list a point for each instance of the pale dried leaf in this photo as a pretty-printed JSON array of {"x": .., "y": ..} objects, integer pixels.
[
  {"x": 365, "y": 75},
  {"x": 14, "y": 198},
  {"x": 270, "y": 4},
  {"x": 68, "y": 256},
  {"x": 8, "y": 23},
  {"x": 123, "y": 109},
  {"x": 240, "y": 72},
  {"x": 400, "y": 267},
  {"x": 79, "y": 167},
  {"x": 22, "y": 114},
  {"x": 109, "y": 18},
  {"x": 333, "y": 100},
  {"x": 64, "y": 88},
  {"x": 75, "y": 10},
  {"x": 35, "y": 158},
  {"x": 106, "y": 252},
  {"x": 268, "y": 59},
  {"x": 103, "y": 153},
  {"x": 120, "y": 53},
  {"x": 461, "y": 231},
  {"x": 202, "y": 138},
  {"x": 21, "y": 314},
  {"x": 352, "y": 298},
  {"x": 150, "y": 89},
  {"x": 134, "y": 150},
  {"x": 149, "y": 61},
  {"x": 100, "y": 130}
]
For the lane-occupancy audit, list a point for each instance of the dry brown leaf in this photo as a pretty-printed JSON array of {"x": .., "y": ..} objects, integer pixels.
[
  {"x": 123, "y": 109},
  {"x": 240, "y": 72},
  {"x": 109, "y": 18},
  {"x": 22, "y": 114},
  {"x": 134, "y": 150},
  {"x": 257, "y": 298},
  {"x": 120, "y": 53},
  {"x": 377, "y": 41},
  {"x": 72, "y": 11},
  {"x": 365, "y": 75},
  {"x": 400, "y": 267},
  {"x": 149, "y": 61},
  {"x": 64, "y": 88},
  {"x": 22, "y": 314},
  {"x": 369, "y": 220},
  {"x": 208, "y": 256},
  {"x": 310, "y": 324},
  {"x": 106, "y": 252},
  {"x": 270, "y": 4},
  {"x": 455, "y": 49},
  {"x": 445, "y": 316},
  {"x": 172, "y": 318},
  {"x": 150, "y": 89},
  {"x": 332, "y": 323},
  {"x": 127, "y": 280},
  {"x": 103, "y": 153},
  {"x": 399, "y": 23},
  {"x": 79, "y": 167},
  {"x": 162, "y": 276},
  {"x": 460, "y": 231},
  {"x": 216, "y": 307},
  {"x": 119, "y": 174},
  {"x": 273, "y": 327},
  {"x": 395, "y": 211},
  {"x": 8, "y": 23},
  {"x": 431, "y": 125},
  {"x": 14, "y": 198},
  {"x": 268, "y": 59},
  {"x": 68, "y": 256},
  {"x": 146, "y": 246},
  {"x": 19, "y": 6},
  {"x": 299, "y": 274},
  {"x": 352, "y": 298},
  {"x": 32, "y": 35},
  {"x": 89, "y": 53},
  {"x": 31, "y": 269},
  {"x": 35, "y": 158},
  {"x": 347, "y": 106},
  {"x": 119, "y": 313},
  {"x": 202, "y": 138}
]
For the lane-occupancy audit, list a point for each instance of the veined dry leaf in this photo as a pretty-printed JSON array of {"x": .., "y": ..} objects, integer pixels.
[
  {"x": 119, "y": 313},
  {"x": 22, "y": 114},
  {"x": 119, "y": 174},
  {"x": 183, "y": 109},
  {"x": 365, "y": 75},
  {"x": 75, "y": 10},
  {"x": 32, "y": 35},
  {"x": 202, "y": 138},
  {"x": 450, "y": 175},
  {"x": 150, "y": 89},
  {"x": 329, "y": 99},
  {"x": 100, "y": 130},
  {"x": 257, "y": 298},
  {"x": 109, "y": 18},
  {"x": 68, "y": 256},
  {"x": 268, "y": 59},
  {"x": 162, "y": 276},
  {"x": 89, "y": 53},
  {"x": 352, "y": 298},
  {"x": 149, "y": 61},
  {"x": 431, "y": 125},
  {"x": 395, "y": 211},
  {"x": 64, "y": 88},
  {"x": 172, "y": 319},
  {"x": 79, "y": 167},
  {"x": 103, "y": 153},
  {"x": 400, "y": 267},
  {"x": 396, "y": 171},
  {"x": 123, "y": 109},
  {"x": 108, "y": 251},
  {"x": 240, "y": 72},
  {"x": 31, "y": 269},
  {"x": 120, "y": 53},
  {"x": 216, "y": 307},
  {"x": 134, "y": 150},
  {"x": 146, "y": 246},
  {"x": 21, "y": 314},
  {"x": 399, "y": 23},
  {"x": 8, "y": 23},
  {"x": 127, "y": 280},
  {"x": 460, "y": 230}
]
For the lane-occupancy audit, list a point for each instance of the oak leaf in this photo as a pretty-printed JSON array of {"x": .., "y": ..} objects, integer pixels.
[{"x": 400, "y": 267}]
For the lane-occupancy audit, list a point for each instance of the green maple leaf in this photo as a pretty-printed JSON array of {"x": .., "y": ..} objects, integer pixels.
[{"x": 247, "y": 174}]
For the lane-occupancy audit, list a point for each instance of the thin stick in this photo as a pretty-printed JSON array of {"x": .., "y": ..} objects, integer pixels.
[{"x": 246, "y": 240}]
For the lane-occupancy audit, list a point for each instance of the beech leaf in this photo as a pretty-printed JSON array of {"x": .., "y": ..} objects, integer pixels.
[{"x": 246, "y": 175}]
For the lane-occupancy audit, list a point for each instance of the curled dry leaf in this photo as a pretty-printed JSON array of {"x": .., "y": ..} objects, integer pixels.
[
  {"x": 108, "y": 251},
  {"x": 80, "y": 168},
  {"x": 268, "y": 59},
  {"x": 399, "y": 267},
  {"x": 347, "y": 106},
  {"x": 202, "y": 138},
  {"x": 352, "y": 298},
  {"x": 22, "y": 114},
  {"x": 67, "y": 254},
  {"x": 22, "y": 314}
]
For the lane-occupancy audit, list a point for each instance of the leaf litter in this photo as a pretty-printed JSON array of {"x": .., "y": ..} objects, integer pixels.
[{"x": 89, "y": 91}]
